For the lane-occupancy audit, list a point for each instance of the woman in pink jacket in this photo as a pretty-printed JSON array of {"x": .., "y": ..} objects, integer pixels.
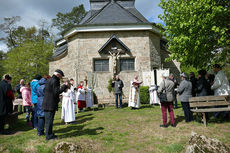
[{"x": 27, "y": 101}]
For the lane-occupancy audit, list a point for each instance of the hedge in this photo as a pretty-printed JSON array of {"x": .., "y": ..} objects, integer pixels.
[{"x": 144, "y": 95}]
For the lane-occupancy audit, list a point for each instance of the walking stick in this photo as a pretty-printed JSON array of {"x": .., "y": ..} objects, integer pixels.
[{"x": 86, "y": 83}]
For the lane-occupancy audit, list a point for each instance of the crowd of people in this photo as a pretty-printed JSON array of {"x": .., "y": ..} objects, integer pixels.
[
  {"x": 204, "y": 85},
  {"x": 41, "y": 96},
  {"x": 40, "y": 100}
]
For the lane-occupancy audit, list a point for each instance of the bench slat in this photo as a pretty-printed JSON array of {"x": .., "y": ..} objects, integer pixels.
[
  {"x": 204, "y": 104},
  {"x": 210, "y": 110},
  {"x": 209, "y": 98}
]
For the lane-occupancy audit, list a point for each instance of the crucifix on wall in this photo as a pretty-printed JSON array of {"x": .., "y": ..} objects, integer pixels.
[
  {"x": 115, "y": 48},
  {"x": 115, "y": 54}
]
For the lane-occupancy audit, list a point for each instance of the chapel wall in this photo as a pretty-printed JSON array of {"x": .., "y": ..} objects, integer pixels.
[
  {"x": 83, "y": 49},
  {"x": 87, "y": 46}
]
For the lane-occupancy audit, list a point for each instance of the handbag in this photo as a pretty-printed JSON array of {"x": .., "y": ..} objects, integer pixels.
[{"x": 163, "y": 95}]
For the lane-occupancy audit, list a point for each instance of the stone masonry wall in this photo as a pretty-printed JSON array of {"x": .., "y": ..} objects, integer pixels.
[{"x": 83, "y": 49}]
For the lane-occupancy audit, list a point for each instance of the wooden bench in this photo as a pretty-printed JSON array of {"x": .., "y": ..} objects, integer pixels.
[
  {"x": 205, "y": 104},
  {"x": 13, "y": 118}
]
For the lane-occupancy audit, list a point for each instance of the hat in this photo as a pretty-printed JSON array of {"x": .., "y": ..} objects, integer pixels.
[
  {"x": 37, "y": 77},
  {"x": 60, "y": 72},
  {"x": 7, "y": 77},
  {"x": 164, "y": 75},
  {"x": 183, "y": 74},
  {"x": 217, "y": 66}
]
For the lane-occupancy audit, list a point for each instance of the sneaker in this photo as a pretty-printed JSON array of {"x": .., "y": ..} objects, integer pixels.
[{"x": 164, "y": 126}]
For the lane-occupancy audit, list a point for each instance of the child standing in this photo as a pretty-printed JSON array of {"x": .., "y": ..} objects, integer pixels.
[
  {"x": 68, "y": 111},
  {"x": 27, "y": 102},
  {"x": 81, "y": 95}
]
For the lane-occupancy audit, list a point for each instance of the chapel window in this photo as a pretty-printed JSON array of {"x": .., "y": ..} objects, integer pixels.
[
  {"x": 127, "y": 64},
  {"x": 101, "y": 65}
]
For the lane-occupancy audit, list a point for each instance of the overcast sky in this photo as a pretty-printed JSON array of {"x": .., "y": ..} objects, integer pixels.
[{"x": 32, "y": 11}]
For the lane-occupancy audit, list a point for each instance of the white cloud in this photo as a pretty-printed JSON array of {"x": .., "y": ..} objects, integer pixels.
[
  {"x": 32, "y": 11},
  {"x": 3, "y": 47}
]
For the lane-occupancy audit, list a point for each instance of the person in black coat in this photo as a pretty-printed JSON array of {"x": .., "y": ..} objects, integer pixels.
[
  {"x": 194, "y": 82},
  {"x": 202, "y": 84},
  {"x": 5, "y": 98},
  {"x": 51, "y": 99}
]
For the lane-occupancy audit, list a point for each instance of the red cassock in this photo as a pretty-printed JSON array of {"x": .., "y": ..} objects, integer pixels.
[{"x": 81, "y": 103}]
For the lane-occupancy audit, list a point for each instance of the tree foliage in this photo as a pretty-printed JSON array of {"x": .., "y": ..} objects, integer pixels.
[
  {"x": 28, "y": 54},
  {"x": 198, "y": 31},
  {"x": 27, "y": 60},
  {"x": 9, "y": 27},
  {"x": 2, "y": 55},
  {"x": 67, "y": 20}
]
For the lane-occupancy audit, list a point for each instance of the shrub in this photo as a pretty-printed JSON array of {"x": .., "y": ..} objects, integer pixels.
[
  {"x": 109, "y": 87},
  {"x": 144, "y": 95},
  {"x": 95, "y": 98}
]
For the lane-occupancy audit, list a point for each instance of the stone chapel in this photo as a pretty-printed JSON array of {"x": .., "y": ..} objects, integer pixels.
[{"x": 113, "y": 38}]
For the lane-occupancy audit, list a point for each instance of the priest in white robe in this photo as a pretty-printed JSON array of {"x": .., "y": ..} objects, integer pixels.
[{"x": 134, "y": 96}]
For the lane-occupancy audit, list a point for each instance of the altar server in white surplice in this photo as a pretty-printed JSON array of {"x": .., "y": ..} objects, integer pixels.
[
  {"x": 134, "y": 98},
  {"x": 68, "y": 111},
  {"x": 153, "y": 95},
  {"x": 73, "y": 89}
]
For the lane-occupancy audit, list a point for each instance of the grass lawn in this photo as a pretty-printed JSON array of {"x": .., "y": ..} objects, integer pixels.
[{"x": 115, "y": 130}]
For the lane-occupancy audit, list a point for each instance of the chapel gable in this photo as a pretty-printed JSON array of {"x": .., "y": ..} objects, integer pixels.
[{"x": 114, "y": 44}]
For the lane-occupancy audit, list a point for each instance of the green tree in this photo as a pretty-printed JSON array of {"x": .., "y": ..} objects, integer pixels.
[
  {"x": 9, "y": 27},
  {"x": 2, "y": 55},
  {"x": 65, "y": 21},
  {"x": 30, "y": 57},
  {"x": 198, "y": 31}
]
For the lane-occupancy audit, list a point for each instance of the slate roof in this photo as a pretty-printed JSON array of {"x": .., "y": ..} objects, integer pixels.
[
  {"x": 60, "y": 50},
  {"x": 113, "y": 13}
]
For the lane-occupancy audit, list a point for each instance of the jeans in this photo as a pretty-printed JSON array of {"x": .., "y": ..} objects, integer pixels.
[
  {"x": 187, "y": 112},
  {"x": 164, "y": 107},
  {"x": 49, "y": 118},
  {"x": 28, "y": 110},
  {"x": 41, "y": 124},
  {"x": 120, "y": 97},
  {"x": 35, "y": 117}
]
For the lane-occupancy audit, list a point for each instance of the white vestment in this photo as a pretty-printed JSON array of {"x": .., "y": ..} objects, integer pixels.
[
  {"x": 89, "y": 98},
  {"x": 153, "y": 96},
  {"x": 68, "y": 110},
  {"x": 134, "y": 99},
  {"x": 74, "y": 96}
]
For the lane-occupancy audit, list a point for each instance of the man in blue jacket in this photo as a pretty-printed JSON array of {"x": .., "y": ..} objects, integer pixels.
[{"x": 34, "y": 86}]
